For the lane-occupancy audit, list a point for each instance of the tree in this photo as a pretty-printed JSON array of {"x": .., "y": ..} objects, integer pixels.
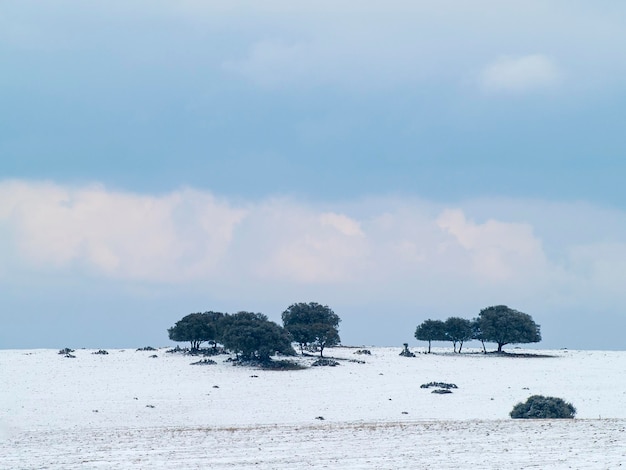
[
  {"x": 431, "y": 330},
  {"x": 503, "y": 325},
  {"x": 196, "y": 328},
  {"x": 458, "y": 330},
  {"x": 312, "y": 324},
  {"x": 477, "y": 333},
  {"x": 253, "y": 337}
]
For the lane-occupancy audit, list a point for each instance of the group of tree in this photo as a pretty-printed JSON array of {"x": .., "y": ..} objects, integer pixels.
[
  {"x": 498, "y": 324},
  {"x": 252, "y": 336}
]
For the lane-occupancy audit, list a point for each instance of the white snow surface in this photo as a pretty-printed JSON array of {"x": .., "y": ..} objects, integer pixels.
[{"x": 129, "y": 410}]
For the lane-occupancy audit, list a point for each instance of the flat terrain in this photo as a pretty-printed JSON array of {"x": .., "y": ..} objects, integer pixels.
[{"x": 130, "y": 410}]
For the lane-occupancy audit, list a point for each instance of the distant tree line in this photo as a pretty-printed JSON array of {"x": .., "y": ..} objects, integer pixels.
[
  {"x": 252, "y": 336},
  {"x": 498, "y": 324}
]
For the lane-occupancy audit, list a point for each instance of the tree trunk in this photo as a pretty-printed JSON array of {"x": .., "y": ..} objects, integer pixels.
[
  {"x": 460, "y": 346},
  {"x": 484, "y": 348},
  {"x": 428, "y": 346},
  {"x": 500, "y": 347}
]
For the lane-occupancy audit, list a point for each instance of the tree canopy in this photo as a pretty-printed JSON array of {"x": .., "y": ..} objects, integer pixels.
[
  {"x": 196, "y": 328},
  {"x": 458, "y": 330},
  {"x": 503, "y": 325},
  {"x": 431, "y": 330},
  {"x": 252, "y": 336},
  {"x": 312, "y": 324}
]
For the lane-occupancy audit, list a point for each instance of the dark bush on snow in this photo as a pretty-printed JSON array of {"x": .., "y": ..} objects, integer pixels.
[
  {"x": 66, "y": 351},
  {"x": 439, "y": 385},
  {"x": 540, "y": 407},
  {"x": 325, "y": 362},
  {"x": 204, "y": 362}
]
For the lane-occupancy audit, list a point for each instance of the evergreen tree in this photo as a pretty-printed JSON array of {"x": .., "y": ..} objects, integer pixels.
[
  {"x": 197, "y": 328},
  {"x": 458, "y": 330},
  {"x": 503, "y": 325},
  {"x": 252, "y": 336},
  {"x": 431, "y": 330},
  {"x": 312, "y": 324}
]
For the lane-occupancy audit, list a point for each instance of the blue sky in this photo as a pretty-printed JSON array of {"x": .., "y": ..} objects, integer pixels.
[{"x": 397, "y": 161}]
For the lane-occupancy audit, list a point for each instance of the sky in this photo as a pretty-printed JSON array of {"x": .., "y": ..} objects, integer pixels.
[{"x": 397, "y": 161}]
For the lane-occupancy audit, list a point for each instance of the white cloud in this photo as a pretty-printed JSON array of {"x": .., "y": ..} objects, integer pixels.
[
  {"x": 374, "y": 249},
  {"x": 520, "y": 74},
  {"x": 498, "y": 251},
  {"x": 179, "y": 236}
]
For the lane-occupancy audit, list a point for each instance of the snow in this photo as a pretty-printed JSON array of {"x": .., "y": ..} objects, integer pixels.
[{"x": 129, "y": 410}]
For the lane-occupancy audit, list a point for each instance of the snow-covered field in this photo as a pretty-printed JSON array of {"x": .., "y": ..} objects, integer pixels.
[{"x": 130, "y": 410}]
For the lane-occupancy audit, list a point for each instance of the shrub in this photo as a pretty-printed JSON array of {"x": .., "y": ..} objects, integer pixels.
[
  {"x": 204, "y": 362},
  {"x": 540, "y": 407},
  {"x": 439, "y": 385},
  {"x": 325, "y": 362}
]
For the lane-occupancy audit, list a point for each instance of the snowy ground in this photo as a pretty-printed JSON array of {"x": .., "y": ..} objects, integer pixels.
[{"x": 128, "y": 410}]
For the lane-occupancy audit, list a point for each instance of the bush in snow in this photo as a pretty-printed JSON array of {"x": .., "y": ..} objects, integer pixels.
[
  {"x": 540, "y": 407},
  {"x": 439, "y": 385},
  {"x": 325, "y": 362},
  {"x": 204, "y": 362}
]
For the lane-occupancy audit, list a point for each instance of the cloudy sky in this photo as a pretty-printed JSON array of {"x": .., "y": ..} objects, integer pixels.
[{"x": 397, "y": 160}]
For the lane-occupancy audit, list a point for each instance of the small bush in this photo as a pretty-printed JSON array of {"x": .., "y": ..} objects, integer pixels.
[
  {"x": 439, "y": 385},
  {"x": 204, "y": 362},
  {"x": 325, "y": 362},
  {"x": 102, "y": 352},
  {"x": 540, "y": 407},
  {"x": 146, "y": 348},
  {"x": 66, "y": 351}
]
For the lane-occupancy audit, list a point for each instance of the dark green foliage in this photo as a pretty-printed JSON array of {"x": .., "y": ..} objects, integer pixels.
[
  {"x": 431, "y": 330},
  {"x": 503, "y": 325},
  {"x": 282, "y": 365},
  {"x": 477, "y": 333},
  {"x": 253, "y": 337},
  {"x": 438, "y": 385},
  {"x": 197, "y": 328},
  {"x": 540, "y": 407},
  {"x": 312, "y": 324},
  {"x": 204, "y": 362},
  {"x": 325, "y": 362},
  {"x": 458, "y": 330}
]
